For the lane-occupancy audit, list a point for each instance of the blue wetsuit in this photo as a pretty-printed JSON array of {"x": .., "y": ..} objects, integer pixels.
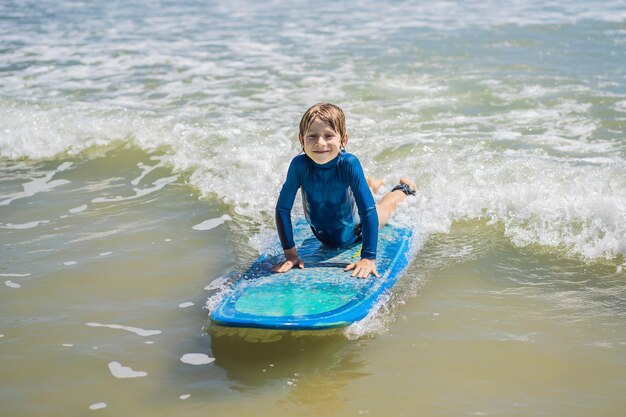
[{"x": 338, "y": 204}]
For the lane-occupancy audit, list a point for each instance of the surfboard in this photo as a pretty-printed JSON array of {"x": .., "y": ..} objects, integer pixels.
[{"x": 320, "y": 296}]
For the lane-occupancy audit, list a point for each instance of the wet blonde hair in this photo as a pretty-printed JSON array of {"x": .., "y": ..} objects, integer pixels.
[{"x": 327, "y": 113}]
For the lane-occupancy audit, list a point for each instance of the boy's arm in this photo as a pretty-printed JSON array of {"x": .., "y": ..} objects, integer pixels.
[
  {"x": 284, "y": 226},
  {"x": 366, "y": 207},
  {"x": 369, "y": 221},
  {"x": 284, "y": 205}
]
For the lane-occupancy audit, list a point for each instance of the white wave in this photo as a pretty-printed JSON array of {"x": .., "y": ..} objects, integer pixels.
[
  {"x": 37, "y": 131},
  {"x": 539, "y": 201},
  {"x": 558, "y": 187}
]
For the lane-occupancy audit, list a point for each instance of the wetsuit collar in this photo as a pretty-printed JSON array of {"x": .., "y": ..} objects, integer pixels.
[{"x": 329, "y": 164}]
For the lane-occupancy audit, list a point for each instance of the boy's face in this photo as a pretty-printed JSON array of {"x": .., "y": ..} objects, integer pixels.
[{"x": 321, "y": 143}]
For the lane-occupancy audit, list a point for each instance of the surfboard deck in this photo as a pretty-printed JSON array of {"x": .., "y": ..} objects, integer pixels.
[{"x": 320, "y": 296}]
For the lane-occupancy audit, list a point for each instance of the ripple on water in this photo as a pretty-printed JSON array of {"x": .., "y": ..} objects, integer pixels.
[
  {"x": 79, "y": 209},
  {"x": 212, "y": 223},
  {"x": 186, "y": 304},
  {"x": 24, "y": 226},
  {"x": 138, "y": 331}
]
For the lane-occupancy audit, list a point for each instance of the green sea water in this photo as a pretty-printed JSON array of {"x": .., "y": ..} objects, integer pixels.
[{"x": 140, "y": 160}]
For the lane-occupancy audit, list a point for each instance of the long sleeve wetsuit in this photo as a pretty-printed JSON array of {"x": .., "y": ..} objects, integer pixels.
[{"x": 330, "y": 193}]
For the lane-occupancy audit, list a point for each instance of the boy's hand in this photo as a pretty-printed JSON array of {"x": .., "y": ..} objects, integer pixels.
[
  {"x": 287, "y": 264},
  {"x": 363, "y": 268},
  {"x": 291, "y": 261}
]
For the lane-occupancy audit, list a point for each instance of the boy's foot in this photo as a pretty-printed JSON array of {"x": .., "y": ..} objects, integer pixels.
[
  {"x": 405, "y": 180},
  {"x": 406, "y": 186},
  {"x": 374, "y": 184}
]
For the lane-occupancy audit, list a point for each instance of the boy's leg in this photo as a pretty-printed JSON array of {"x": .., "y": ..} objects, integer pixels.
[{"x": 390, "y": 201}]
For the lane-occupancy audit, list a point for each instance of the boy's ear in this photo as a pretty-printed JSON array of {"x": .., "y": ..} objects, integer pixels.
[{"x": 344, "y": 141}]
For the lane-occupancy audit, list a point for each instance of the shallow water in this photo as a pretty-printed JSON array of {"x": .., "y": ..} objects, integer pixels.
[{"x": 140, "y": 159}]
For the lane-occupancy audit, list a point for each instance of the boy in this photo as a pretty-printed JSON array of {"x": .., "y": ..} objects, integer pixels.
[{"x": 336, "y": 196}]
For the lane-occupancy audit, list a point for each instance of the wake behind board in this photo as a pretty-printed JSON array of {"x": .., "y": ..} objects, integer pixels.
[{"x": 320, "y": 296}]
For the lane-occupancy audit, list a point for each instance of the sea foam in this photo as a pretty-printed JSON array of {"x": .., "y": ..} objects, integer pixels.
[
  {"x": 196, "y": 359},
  {"x": 138, "y": 331},
  {"x": 120, "y": 371}
]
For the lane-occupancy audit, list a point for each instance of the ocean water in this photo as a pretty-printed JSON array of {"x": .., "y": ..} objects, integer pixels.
[{"x": 142, "y": 147}]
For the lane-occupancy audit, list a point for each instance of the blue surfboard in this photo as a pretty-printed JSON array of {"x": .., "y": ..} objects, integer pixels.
[{"x": 320, "y": 296}]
